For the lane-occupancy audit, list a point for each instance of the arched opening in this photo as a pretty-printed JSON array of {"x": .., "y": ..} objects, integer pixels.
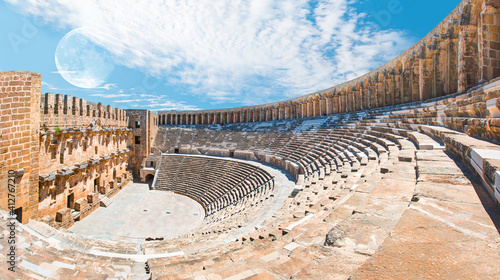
[
  {"x": 217, "y": 118},
  {"x": 282, "y": 112},
  {"x": 242, "y": 116}
]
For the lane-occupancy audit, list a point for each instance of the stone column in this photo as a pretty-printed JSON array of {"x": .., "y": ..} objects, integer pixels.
[
  {"x": 315, "y": 107},
  {"x": 406, "y": 83},
  {"x": 425, "y": 77},
  {"x": 398, "y": 85},
  {"x": 370, "y": 96},
  {"x": 448, "y": 62},
  {"x": 329, "y": 103},
  {"x": 336, "y": 104},
  {"x": 390, "y": 88},
  {"x": 381, "y": 91},
  {"x": 362, "y": 96},
  {"x": 468, "y": 71}
]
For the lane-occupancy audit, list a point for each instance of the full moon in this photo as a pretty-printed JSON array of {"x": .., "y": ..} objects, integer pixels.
[{"x": 81, "y": 62}]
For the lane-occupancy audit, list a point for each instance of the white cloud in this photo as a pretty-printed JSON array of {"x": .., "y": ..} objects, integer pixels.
[
  {"x": 111, "y": 95},
  {"x": 108, "y": 86},
  {"x": 128, "y": 101},
  {"x": 62, "y": 72},
  {"x": 49, "y": 86},
  {"x": 253, "y": 49},
  {"x": 155, "y": 103},
  {"x": 169, "y": 106}
]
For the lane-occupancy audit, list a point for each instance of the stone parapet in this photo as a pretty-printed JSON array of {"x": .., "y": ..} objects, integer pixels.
[{"x": 65, "y": 111}]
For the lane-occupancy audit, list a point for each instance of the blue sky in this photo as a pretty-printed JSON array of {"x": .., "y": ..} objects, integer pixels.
[{"x": 201, "y": 54}]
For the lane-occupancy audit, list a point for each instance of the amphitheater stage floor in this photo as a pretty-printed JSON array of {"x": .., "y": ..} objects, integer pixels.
[{"x": 139, "y": 213}]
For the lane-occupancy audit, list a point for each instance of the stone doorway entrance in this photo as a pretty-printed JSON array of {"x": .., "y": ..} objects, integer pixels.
[
  {"x": 70, "y": 201},
  {"x": 149, "y": 180},
  {"x": 19, "y": 214}
]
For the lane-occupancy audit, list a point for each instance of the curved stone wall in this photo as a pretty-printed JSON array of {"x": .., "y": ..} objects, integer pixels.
[{"x": 462, "y": 51}]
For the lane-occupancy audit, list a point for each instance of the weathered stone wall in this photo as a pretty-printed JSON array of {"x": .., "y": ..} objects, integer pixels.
[
  {"x": 78, "y": 164},
  {"x": 66, "y": 111},
  {"x": 463, "y": 50},
  {"x": 144, "y": 125},
  {"x": 19, "y": 128},
  {"x": 58, "y": 172}
]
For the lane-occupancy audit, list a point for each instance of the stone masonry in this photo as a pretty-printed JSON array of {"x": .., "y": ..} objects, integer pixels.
[{"x": 68, "y": 155}]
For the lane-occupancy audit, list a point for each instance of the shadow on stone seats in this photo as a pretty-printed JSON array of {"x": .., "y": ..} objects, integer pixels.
[{"x": 489, "y": 205}]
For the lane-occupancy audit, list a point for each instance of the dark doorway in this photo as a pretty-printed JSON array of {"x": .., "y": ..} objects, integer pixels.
[
  {"x": 149, "y": 180},
  {"x": 96, "y": 185},
  {"x": 19, "y": 214},
  {"x": 176, "y": 150},
  {"x": 71, "y": 201}
]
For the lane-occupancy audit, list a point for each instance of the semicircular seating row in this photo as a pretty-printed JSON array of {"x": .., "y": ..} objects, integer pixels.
[
  {"x": 345, "y": 140},
  {"x": 379, "y": 186},
  {"x": 215, "y": 183}
]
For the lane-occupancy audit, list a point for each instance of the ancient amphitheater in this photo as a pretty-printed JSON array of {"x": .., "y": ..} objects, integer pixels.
[{"x": 393, "y": 175}]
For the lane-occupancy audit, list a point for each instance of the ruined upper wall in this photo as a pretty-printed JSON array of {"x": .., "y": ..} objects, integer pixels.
[
  {"x": 144, "y": 125},
  {"x": 66, "y": 111},
  {"x": 458, "y": 54}
]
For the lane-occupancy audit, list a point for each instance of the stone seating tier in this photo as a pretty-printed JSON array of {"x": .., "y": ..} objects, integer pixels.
[{"x": 215, "y": 183}]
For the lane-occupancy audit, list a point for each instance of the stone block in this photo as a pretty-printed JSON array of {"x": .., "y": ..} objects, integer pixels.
[
  {"x": 479, "y": 155},
  {"x": 104, "y": 189},
  {"x": 292, "y": 246},
  {"x": 497, "y": 195},
  {"x": 497, "y": 185},
  {"x": 218, "y": 152},
  {"x": 81, "y": 204},
  {"x": 64, "y": 215},
  {"x": 491, "y": 105},
  {"x": 48, "y": 220},
  {"x": 248, "y": 155}
]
